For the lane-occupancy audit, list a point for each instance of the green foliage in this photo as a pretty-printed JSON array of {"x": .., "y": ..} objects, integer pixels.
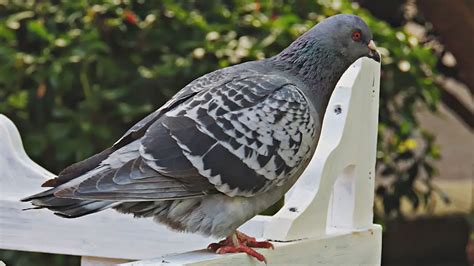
[{"x": 74, "y": 75}]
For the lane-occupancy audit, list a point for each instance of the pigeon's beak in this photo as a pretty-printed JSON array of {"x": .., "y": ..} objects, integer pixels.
[{"x": 373, "y": 53}]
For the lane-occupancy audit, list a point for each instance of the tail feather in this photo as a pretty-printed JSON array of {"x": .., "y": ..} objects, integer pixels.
[
  {"x": 45, "y": 193},
  {"x": 51, "y": 201},
  {"x": 83, "y": 208},
  {"x": 67, "y": 208}
]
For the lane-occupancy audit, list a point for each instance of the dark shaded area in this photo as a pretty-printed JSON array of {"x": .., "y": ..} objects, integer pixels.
[
  {"x": 426, "y": 241},
  {"x": 458, "y": 107},
  {"x": 455, "y": 34},
  {"x": 455, "y": 31},
  {"x": 23, "y": 258},
  {"x": 390, "y": 11}
]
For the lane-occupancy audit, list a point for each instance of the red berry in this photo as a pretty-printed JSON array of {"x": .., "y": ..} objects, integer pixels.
[{"x": 130, "y": 17}]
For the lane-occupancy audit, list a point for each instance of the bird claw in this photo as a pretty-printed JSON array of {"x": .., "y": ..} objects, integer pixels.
[
  {"x": 252, "y": 242},
  {"x": 241, "y": 249},
  {"x": 260, "y": 244},
  {"x": 214, "y": 246},
  {"x": 241, "y": 243}
]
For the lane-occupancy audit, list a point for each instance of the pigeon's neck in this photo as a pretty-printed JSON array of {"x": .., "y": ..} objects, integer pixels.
[{"x": 315, "y": 65}]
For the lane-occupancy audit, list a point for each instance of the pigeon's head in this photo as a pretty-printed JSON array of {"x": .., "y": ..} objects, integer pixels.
[
  {"x": 322, "y": 54},
  {"x": 346, "y": 35}
]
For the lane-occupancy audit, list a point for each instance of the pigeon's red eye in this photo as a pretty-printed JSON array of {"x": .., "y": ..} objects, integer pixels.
[{"x": 356, "y": 36}]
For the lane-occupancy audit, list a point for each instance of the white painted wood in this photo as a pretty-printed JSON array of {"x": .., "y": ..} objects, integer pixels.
[
  {"x": 108, "y": 234},
  {"x": 344, "y": 248},
  {"x": 95, "y": 261},
  {"x": 332, "y": 200},
  {"x": 19, "y": 174}
]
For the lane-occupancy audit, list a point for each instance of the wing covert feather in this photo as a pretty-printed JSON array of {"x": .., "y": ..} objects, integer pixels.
[{"x": 245, "y": 135}]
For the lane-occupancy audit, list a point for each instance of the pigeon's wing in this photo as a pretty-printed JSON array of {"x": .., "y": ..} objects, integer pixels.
[
  {"x": 244, "y": 136},
  {"x": 123, "y": 176},
  {"x": 240, "y": 137},
  {"x": 138, "y": 130},
  {"x": 135, "y": 181}
]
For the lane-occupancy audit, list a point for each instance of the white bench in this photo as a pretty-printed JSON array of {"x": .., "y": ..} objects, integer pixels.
[{"x": 326, "y": 218}]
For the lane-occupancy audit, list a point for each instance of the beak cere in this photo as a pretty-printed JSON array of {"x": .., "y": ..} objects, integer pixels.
[{"x": 373, "y": 53}]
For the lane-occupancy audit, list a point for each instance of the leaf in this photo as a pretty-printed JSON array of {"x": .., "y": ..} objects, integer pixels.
[
  {"x": 37, "y": 27},
  {"x": 18, "y": 100},
  {"x": 13, "y": 22}
]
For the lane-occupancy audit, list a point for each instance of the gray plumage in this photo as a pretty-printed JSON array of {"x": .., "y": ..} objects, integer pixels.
[{"x": 225, "y": 147}]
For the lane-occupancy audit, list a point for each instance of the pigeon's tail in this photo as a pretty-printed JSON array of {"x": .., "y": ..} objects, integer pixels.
[{"x": 67, "y": 208}]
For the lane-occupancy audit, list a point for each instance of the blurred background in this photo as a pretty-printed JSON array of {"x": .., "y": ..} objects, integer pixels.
[{"x": 74, "y": 75}]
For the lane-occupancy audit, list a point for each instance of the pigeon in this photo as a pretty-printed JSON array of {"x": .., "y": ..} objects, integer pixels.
[{"x": 224, "y": 148}]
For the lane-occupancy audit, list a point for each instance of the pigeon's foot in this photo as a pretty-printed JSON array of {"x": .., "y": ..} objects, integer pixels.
[
  {"x": 241, "y": 249},
  {"x": 240, "y": 243}
]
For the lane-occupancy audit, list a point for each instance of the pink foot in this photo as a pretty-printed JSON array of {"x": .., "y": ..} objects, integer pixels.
[
  {"x": 252, "y": 242},
  {"x": 241, "y": 249},
  {"x": 240, "y": 243}
]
